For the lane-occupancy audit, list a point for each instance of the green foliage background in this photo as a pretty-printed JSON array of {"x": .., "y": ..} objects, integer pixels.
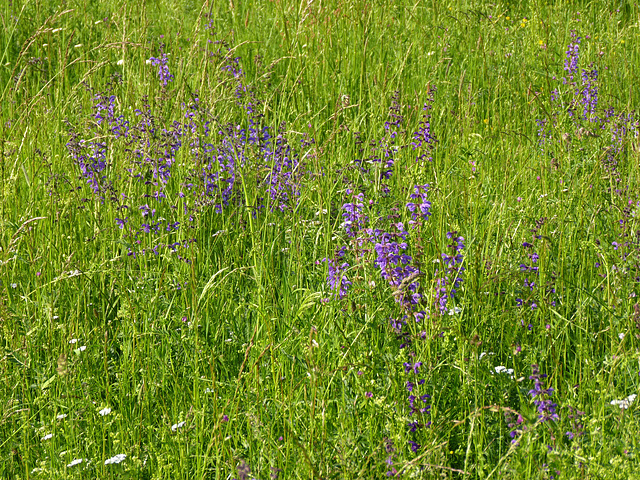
[{"x": 240, "y": 332}]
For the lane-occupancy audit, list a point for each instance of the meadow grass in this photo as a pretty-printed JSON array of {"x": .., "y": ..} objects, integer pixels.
[{"x": 219, "y": 257}]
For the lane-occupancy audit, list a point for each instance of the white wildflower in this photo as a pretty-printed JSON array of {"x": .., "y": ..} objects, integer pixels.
[
  {"x": 105, "y": 411},
  {"x": 625, "y": 402},
  {"x": 505, "y": 370},
  {"x": 174, "y": 428},
  {"x": 484, "y": 354},
  {"x": 120, "y": 62},
  {"x": 62, "y": 416},
  {"x": 115, "y": 459},
  {"x": 74, "y": 462},
  {"x": 73, "y": 340},
  {"x": 47, "y": 437}
]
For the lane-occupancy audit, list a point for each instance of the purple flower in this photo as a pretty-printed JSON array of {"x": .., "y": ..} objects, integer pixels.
[
  {"x": 589, "y": 93},
  {"x": 423, "y": 139},
  {"x": 243, "y": 471},
  {"x": 354, "y": 220},
  {"x": 421, "y": 209},
  {"x": 163, "y": 69},
  {"x": 514, "y": 422},
  {"x": 451, "y": 276},
  {"x": 408, "y": 367},
  {"x": 542, "y": 397},
  {"x": 573, "y": 51},
  {"x": 336, "y": 279}
]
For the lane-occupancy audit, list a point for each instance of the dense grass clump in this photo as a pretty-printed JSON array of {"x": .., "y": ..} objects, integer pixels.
[{"x": 309, "y": 240}]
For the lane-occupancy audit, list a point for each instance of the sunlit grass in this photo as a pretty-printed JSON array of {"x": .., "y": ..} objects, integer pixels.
[{"x": 202, "y": 340}]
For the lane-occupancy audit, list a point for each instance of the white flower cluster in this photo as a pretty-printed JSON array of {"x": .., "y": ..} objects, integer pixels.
[
  {"x": 115, "y": 459},
  {"x": 177, "y": 426},
  {"x": 505, "y": 370},
  {"x": 104, "y": 411},
  {"x": 625, "y": 402}
]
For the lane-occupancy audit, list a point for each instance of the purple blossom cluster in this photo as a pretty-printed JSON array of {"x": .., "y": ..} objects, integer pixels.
[
  {"x": 547, "y": 408},
  {"x": 390, "y": 247},
  {"x": 354, "y": 218},
  {"x": 381, "y": 240},
  {"x": 418, "y": 403},
  {"x": 384, "y": 153},
  {"x": 284, "y": 170},
  {"x": 162, "y": 62},
  {"x": 572, "y": 55},
  {"x": 531, "y": 294},
  {"x": 449, "y": 277},
  {"x": 419, "y": 207},
  {"x": 104, "y": 107},
  {"x": 336, "y": 279},
  {"x": 395, "y": 265},
  {"x": 244, "y": 471},
  {"x": 400, "y": 272},
  {"x": 390, "y": 450},
  {"x": 91, "y": 158},
  {"x": 622, "y": 127},
  {"x": 589, "y": 94},
  {"x": 516, "y": 425},
  {"x": 387, "y": 250},
  {"x": 423, "y": 139},
  {"x": 217, "y": 158},
  {"x": 574, "y": 114}
]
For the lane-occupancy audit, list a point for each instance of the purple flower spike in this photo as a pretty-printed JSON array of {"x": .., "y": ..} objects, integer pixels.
[
  {"x": 408, "y": 367},
  {"x": 163, "y": 69},
  {"x": 542, "y": 397}
]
